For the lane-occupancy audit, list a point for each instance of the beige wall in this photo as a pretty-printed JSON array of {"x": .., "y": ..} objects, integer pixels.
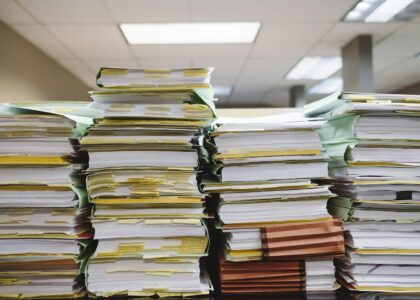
[
  {"x": 26, "y": 73},
  {"x": 253, "y": 112},
  {"x": 413, "y": 89}
]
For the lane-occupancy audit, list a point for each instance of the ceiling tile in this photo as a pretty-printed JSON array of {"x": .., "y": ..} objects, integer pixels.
[
  {"x": 224, "y": 68},
  {"x": 410, "y": 29},
  {"x": 165, "y": 63},
  {"x": 325, "y": 49},
  {"x": 416, "y": 20},
  {"x": 403, "y": 44},
  {"x": 194, "y": 51},
  {"x": 41, "y": 38},
  {"x": 287, "y": 40},
  {"x": 307, "y": 11},
  {"x": 342, "y": 33},
  {"x": 265, "y": 82},
  {"x": 222, "y": 81},
  {"x": 76, "y": 67},
  {"x": 265, "y": 68},
  {"x": 92, "y": 41},
  {"x": 68, "y": 12},
  {"x": 406, "y": 74},
  {"x": 95, "y": 64},
  {"x": 12, "y": 13},
  {"x": 288, "y": 83},
  {"x": 83, "y": 36},
  {"x": 381, "y": 64},
  {"x": 148, "y": 10},
  {"x": 223, "y": 11}
]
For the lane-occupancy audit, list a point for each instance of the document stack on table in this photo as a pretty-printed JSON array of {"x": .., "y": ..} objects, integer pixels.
[
  {"x": 374, "y": 140},
  {"x": 279, "y": 236},
  {"x": 45, "y": 229},
  {"x": 144, "y": 155}
]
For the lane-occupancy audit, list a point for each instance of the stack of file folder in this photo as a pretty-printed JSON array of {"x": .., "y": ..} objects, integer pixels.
[
  {"x": 144, "y": 155},
  {"x": 279, "y": 236},
  {"x": 374, "y": 142},
  {"x": 45, "y": 228},
  {"x": 345, "y": 294}
]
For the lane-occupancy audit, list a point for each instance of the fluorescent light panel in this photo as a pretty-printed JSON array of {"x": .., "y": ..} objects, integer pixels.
[
  {"x": 327, "y": 86},
  {"x": 388, "y": 10},
  {"x": 190, "y": 33},
  {"x": 315, "y": 67},
  {"x": 362, "y": 9},
  {"x": 377, "y": 11}
]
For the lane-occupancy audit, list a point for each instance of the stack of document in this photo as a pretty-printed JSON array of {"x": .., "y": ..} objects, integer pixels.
[
  {"x": 344, "y": 294},
  {"x": 144, "y": 154},
  {"x": 45, "y": 228},
  {"x": 270, "y": 206},
  {"x": 374, "y": 140},
  {"x": 276, "y": 277}
]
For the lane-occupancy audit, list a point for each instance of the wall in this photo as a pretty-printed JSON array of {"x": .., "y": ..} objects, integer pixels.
[
  {"x": 413, "y": 89},
  {"x": 26, "y": 73},
  {"x": 253, "y": 112}
]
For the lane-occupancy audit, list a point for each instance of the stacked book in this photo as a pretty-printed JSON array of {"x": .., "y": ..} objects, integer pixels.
[
  {"x": 45, "y": 228},
  {"x": 279, "y": 236},
  {"x": 144, "y": 155},
  {"x": 374, "y": 142}
]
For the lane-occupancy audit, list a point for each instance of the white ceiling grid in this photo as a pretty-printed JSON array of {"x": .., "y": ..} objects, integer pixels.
[{"x": 83, "y": 35}]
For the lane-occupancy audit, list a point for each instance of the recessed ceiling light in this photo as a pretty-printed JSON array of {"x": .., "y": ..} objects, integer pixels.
[
  {"x": 387, "y": 10},
  {"x": 222, "y": 90},
  {"x": 190, "y": 33},
  {"x": 315, "y": 67},
  {"x": 362, "y": 9},
  {"x": 381, "y": 11},
  {"x": 327, "y": 86}
]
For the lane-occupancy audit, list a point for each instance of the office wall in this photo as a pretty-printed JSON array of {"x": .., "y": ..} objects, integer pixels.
[
  {"x": 253, "y": 112},
  {"x": 27, "y": 74},
  {"x": 413, "y": 89}
]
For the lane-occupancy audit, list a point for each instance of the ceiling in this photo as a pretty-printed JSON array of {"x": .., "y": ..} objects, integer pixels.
[{"x": 83, "y": 35}]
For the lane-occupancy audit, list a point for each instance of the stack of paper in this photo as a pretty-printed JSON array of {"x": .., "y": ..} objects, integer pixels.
[
  {"x": 271, "y": 208},
  {"x": 45, "y": 228},
  {"x": 144, "y": 155},
  {"x": 345, "y": 294},
  {"x": 279, "y": 277},
  {"x": 374, "y": 140}
]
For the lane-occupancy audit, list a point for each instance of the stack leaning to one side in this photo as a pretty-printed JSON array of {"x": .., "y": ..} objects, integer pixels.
[
  {"x": 144, "y": 157},
  {"x": 270, "y": 209},
  {"x": 374, "y": 140},
  {"x": 45, "y": 228}
]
